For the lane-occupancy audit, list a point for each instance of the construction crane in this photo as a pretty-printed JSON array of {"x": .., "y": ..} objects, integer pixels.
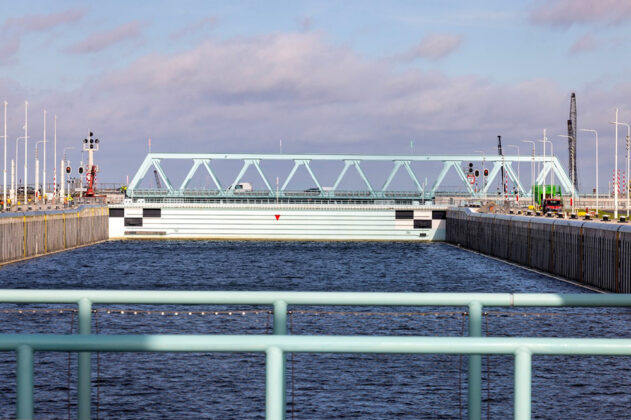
[
  {"x": 158, "y": 184},
  {"x": 571, "y": 132},
  {"x": 499, "y": 150}
]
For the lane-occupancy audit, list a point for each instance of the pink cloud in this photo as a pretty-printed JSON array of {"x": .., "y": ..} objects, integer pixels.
[
  {"x": 102, "y": 40},
  {"x": 243, "y": 94},
  {"x": 37, "y": 23},
  {"x": 205, "y": 24},
  {"x": 13, "y": 29},
  {"x": 584, "y": 44},
  {"x": 565, "y": 13},
  {"x": 433, "y": 47}
]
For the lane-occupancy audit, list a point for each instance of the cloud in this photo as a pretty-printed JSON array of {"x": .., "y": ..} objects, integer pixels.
[
  {"x": 102, "y": 40},
  {"x": 565, "y": 13},
  {"x": 243, "y": 94},
  {"x": 13, "y": 29},
  {"x": 39, "y": 23},
  {"x": 235, "y": 94},
  {"x": 305, "y": 23},
  {"x": 433, "y": 47},
  {"x": 205, "y": 24},
  {"x": 584, "y": 44}
]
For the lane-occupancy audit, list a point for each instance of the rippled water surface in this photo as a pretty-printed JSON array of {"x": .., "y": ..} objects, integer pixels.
[{"x": 320, "y": 386}]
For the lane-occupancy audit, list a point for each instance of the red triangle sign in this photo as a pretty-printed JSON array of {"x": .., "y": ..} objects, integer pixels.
[{"x": 277, "y": 216}]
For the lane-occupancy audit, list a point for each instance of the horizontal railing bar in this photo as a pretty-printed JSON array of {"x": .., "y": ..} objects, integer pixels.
[
  {"x": 316, "y": 344},
  {"x": 313, "y": 298}
]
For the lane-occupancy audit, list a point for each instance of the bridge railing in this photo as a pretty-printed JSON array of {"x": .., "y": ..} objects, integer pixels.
[{"x": 278, "y": 345}]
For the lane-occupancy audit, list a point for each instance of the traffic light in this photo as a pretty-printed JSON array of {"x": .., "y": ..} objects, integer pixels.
[
  {"x": 68, "y": 169},
  {"x": 80, "y": 170},
  {"x": 486, "y": 172},
  {"x": 477, "y": 173}
]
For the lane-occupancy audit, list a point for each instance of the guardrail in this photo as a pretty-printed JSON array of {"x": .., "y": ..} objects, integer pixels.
[{"x": 276, "y": 346}]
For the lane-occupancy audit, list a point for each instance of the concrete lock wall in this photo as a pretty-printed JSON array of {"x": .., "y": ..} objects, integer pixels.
[
  {"x": 26, "y": 235},
  {"x": 594, "y": 253}
]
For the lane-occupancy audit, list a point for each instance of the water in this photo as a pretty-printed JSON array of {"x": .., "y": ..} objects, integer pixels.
[{"x": 320, "y": 386}]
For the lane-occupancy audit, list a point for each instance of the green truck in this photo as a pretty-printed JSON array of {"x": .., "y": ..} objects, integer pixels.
[{"x": 549, "y": 197}]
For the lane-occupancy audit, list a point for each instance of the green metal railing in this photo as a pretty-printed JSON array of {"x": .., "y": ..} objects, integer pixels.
[{"x": 278, "y": 345}]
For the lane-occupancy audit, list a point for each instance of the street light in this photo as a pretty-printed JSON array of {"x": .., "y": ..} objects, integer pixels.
[
  {"x": 596, "y": 133},
  {"x": 15, "y": 186},
  {"x": 37, "y": 165},
  {"x": 627, "y": 144},
  {"x": 4, "y": 172},
  {"x": 617, "y": 123},
  {"x": 573, "y": 180},
  {"x": 544, "y": 141}
]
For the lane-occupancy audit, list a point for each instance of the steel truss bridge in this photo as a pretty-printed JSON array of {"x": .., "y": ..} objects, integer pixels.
[{"x": 403, "y": 163}]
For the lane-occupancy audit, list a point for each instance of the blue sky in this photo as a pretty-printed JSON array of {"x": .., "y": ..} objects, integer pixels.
[{"x": 326, "y": 77}]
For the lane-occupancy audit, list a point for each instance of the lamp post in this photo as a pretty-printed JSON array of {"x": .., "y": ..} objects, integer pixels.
[
  {"x": 544, "y": 141},
  {"x": 4, "y": 172},
  {"x": 532, "y": 167},
  {"x": 573, "y": 174},
  {"x": 626, "y": 186},
  {"x": 44, "y": 178},
  {"x": 483, "y": 168},
  {"x": 25, "y": 153},
  {"x": 55, "y": 161},
  {"x": 15, "y": 186},
  {"x": 617, "y": 186},
  {"x": 37, "y": 166}
]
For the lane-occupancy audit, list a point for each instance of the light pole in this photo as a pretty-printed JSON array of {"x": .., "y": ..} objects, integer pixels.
[
  {"x": 532, "y": 167},
  {"x": 55, "y": 161},
  {"x": 627, "y": 183},
  {"x": 483, "y": 168},
  {"x": 25, "y": 152},
  {"x": 573, "y": 174},
  {"x": 37, "y": 165},
  {"x": 4, "y": 172},
  {"x": 617, "y": 186},
  {"x": 544, "y": 141},
  {"x": 596, "y": 133},
  {"x": 44, "y": 178},
  {"x": 15, "y": 187}
]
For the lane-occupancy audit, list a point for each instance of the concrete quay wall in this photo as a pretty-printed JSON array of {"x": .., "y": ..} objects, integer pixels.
[
  {"x": 593, "y": 253},
  {"x": 32, "y": 234}
]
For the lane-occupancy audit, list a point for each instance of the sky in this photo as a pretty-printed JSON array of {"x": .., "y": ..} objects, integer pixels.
[{"x": 323, "y": 76}]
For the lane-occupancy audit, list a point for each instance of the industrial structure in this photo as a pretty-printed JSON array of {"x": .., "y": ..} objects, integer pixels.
[
  {"x": 550, "y": 166},
  {"x": 571, "y": 139}
]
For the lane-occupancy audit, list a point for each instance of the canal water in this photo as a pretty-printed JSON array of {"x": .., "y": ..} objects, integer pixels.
[{"x": 320, "y": 386}]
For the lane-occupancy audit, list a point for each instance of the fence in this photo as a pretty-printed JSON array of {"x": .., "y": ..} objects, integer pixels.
[
  {"x": 26, "y": 235},
  {"x": 276, "y": 346},
  {"x": 593, "y": 253}
]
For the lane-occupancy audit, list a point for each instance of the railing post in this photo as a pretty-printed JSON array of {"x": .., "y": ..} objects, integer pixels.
[
  {"x": 24, "y": 403},
  {"x": 280, "y": 318},
  {"x": 84, "y": 384},
  {"x": 275, "y": 384},
  {"x": 280, "y": 328},
  {"x": 523, "y": 383},
  {"x": 475, "y": 364}
]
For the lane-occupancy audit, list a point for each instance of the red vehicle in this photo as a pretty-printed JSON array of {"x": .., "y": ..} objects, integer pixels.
[{"x": 552, "y": 205}]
